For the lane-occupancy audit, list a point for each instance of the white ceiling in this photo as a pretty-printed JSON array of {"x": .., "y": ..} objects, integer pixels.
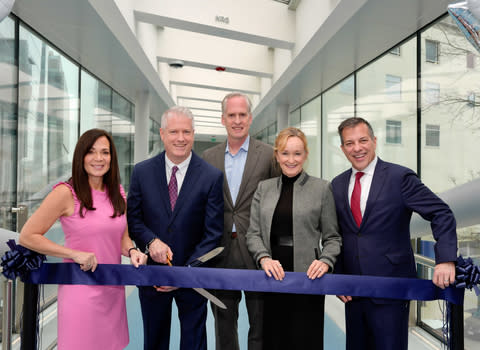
[{"x": 326, "y": 41}]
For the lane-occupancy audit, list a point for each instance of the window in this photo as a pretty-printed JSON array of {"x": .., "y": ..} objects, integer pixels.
[
  {"x": 394, "y": 131},
  {"x": 432, "y": 93},
  {"x": 395, "y": 51},
  {"x": 272, "y": 133},
  {"x": 393, "y": 87},
  {"x": 432, "y": 135},
  {"x": 431, "y": 51},
  {"x": 471, "y": 99},
  {"x": 348, "y": 85},
  {"x": 470, "y": 60}
]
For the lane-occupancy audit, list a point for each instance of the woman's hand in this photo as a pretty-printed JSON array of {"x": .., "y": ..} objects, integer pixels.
[
  {"x": 317, "y": 269},
  {"x": 137, "y": 258},
  {"x": 86, "y": 260},
  {"x": 272, "y": 268}
]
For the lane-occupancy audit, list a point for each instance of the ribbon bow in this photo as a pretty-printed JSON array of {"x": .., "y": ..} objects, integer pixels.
[
  {"x": 467, "y": 274},
  {"x": 19, "y": 261}
]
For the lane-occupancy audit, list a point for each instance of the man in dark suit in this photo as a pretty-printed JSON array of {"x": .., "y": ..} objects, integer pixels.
[
  {"x": 175, "y": 212},
  {"x": 374, "y": 202},
  {"x": 245, "y": 162}
]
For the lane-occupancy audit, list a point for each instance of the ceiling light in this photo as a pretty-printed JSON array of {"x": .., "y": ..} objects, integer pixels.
[{"x": 176, "y": 63}]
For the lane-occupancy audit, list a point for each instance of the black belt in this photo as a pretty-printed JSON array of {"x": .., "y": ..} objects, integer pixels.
[{"x": 284, "y": 241}]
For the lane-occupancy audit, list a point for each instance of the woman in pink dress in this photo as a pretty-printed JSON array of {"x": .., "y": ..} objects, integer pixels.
[{"x": 91, "y": 208}]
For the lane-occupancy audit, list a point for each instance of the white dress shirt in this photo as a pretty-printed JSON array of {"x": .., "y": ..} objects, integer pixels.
[
  {"x": 365, "y": 182},
  {"x": 181, "y": 172}
]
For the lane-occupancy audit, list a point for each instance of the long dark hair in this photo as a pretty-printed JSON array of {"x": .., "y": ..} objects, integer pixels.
[{"x": 111, "y": 179}]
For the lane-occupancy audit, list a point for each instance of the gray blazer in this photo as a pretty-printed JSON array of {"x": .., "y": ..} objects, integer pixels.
[
  {"x": 314, "y": 221},
  {"x": 260, "y": 165}
]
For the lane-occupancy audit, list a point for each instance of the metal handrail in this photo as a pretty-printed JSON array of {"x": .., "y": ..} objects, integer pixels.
[{"x": 425, "y": 261}]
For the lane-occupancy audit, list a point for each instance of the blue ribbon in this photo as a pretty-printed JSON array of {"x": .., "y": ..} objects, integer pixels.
[
  {"x": 19, "y": 261},
  {"x": 467, "y": 274},
  {"x": 248, "y": 280}
]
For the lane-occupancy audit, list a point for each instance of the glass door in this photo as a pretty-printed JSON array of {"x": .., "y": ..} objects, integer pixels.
[{"x": 8, "y": 124}]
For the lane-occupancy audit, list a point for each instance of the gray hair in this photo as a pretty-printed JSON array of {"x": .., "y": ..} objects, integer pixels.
[
  {"x": 236, "y": 94},
  {"x": 351, "y": 123},
  {"x": 176, "y": 111}
]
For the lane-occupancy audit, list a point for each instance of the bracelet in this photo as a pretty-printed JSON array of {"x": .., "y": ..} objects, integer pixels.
[{"x": 133, "y": 248}]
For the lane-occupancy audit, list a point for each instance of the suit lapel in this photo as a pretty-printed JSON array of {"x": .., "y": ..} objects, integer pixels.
[
  {"x": 345, "y": 183},
  {"x": 163, "y": 183},
  {"x": 375, "y": 188},
  {"x": 220, "y": 164},
  {"x": 191, "y": 177},
  {"x": 249, "y": 169}
]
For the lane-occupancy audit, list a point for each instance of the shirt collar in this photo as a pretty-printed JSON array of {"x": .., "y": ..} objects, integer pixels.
[
  {"x": 370, "y": 169},
  {"x": 182, "y": 167},
  {"x": 243, "y": 147}
]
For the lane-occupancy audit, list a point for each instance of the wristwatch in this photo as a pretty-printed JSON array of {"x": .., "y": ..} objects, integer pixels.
[{"x": 148, "y": 245}]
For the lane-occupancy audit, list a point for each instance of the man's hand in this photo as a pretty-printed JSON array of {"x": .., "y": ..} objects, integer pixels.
[
  {"x": 159, "y": 251},
  {"x": 444, "y": 274}
]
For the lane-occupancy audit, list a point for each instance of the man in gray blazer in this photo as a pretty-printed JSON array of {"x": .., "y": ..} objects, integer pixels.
[{"x": 245, "y": 162}]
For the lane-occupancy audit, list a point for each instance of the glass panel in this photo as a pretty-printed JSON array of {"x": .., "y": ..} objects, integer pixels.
[
  {"x": 47, "y": 124},
  {"x": 155, "y": 144},
  {"x": 454, "y": 111},
  {"x": 294, "y": 118},
  {"x": 8, "y": 123},
  {"x": 393, "y": 87},
  {"x": 96, "y": 102},
  {"x": 337, "y": 105},
  {"x": 310, "y": 125},
  {"x": 272, "y": 133},
  {"x": 123, "y": 130},
  {"x": 449, "y": 157},
  {"x": 48, "y": 118},
  {"x": 375, "y": 103}
]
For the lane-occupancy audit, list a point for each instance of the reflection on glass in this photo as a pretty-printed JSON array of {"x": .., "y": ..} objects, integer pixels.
[
  {"x": 294, "y": 118},
  {"x": 337, "y": 105},
  {"x": 48, "y": 118},
  {"x": 387, "y": 98},
  {"x": 48, "y": 111},
  {"x": 123, "y": 130},
  {"x": 105, "y": 109},
  {"x": 272, "y": 133},
  {"x": 8, "y": 122},
  {"x": 310, "y": 125},
  {"x": 450, "y": 133},
  {"x": 450, "y": 115},
  {"x": 96, "y": 102},
  {"x": 155, "y": 145}
]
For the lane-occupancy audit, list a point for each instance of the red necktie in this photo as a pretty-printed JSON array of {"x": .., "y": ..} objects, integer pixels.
[
  {"x": 355, "y": 200},
  {"x": 173, "y": 187}
]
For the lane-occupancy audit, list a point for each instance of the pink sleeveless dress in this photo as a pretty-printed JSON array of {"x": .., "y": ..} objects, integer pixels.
[{"x": 93, "y": 317}]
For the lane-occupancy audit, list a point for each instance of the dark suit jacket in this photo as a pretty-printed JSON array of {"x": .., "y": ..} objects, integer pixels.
[
  {"x": 381, "y": 246},
  {"x": 195, "y": 226},
  {"x": 260, "y": 165}
]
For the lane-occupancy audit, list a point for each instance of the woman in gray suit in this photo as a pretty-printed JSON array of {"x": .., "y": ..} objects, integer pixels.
[{"x": 293, "y": 227}]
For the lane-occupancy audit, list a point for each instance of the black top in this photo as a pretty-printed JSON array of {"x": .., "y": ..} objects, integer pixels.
[{"x": 282, "y": 222}]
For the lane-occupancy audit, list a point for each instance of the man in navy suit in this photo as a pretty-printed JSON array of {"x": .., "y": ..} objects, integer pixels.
[
  {"x": 374, "y": 209},
  {"x": 175, "y": 212}
]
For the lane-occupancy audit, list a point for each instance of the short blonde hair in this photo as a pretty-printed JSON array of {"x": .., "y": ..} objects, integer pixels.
[{"x": 285, "y": 134}]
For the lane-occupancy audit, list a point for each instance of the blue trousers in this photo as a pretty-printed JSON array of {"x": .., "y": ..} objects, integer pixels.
[
  {"x": 376, "y": 324},
  {"x": 157, "y": 313}
]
